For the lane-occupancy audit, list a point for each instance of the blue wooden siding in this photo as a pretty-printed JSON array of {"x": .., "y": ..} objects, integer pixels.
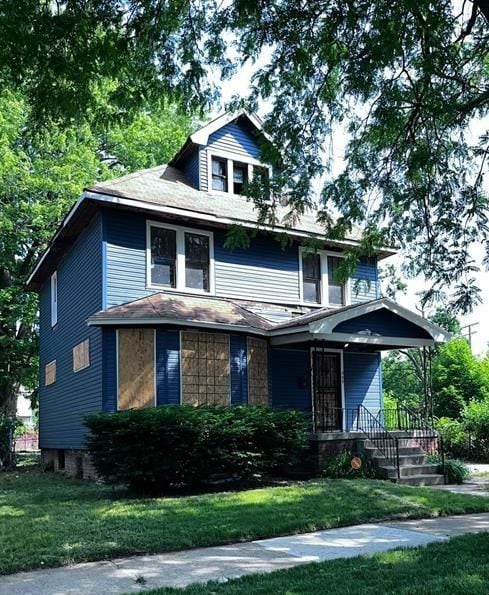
[
  {"x": 236, "y": 140},
  {"x": 125, "y": 236},
  {"x": 383, "y": 322},
  {"x": 239, "y": 377},
  {"x": 64, "y": 404},
  {"x": 109, "y": 369},
  {"x": 365, "y": 283},
  {"x": 191, "y": 169},
  {"x": 362, "y": 382},
  {"x": 290, "y": 372},
  {"x": 167, "y": 367},
  {"x": 203, "y": 166},
  {"x": 264, "y": 271}
]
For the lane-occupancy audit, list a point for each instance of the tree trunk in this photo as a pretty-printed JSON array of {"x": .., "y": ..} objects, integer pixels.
[{"x": 8, "y": 398}]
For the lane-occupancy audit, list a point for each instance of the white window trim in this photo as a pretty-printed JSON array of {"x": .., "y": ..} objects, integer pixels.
[
  {"x": 324, "y": 280},
  {"x": 244, "y": 159},
  {"x": 180, "y": 258},
  {"x": 54, "y": 298}
]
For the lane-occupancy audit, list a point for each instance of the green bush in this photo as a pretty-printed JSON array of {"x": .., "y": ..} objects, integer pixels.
[
  {"x": 476, "y": 421},
  {"x": 152, "y": 450},
  {"x": 339, "y": 467},
  {"x": 456, "y": 471},
  {"x": 456, "y": 439}
]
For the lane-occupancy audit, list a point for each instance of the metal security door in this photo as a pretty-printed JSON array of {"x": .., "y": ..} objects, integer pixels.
[{"x": 327, "y": 391}]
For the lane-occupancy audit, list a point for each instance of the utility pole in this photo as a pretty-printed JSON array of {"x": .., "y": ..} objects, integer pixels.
[
  {"x": 426, "y": 357},
  {"x": 469, "y": 333}
]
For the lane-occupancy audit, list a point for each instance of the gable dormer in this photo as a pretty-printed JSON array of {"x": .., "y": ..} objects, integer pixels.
[{"x": 223, "y": 155}]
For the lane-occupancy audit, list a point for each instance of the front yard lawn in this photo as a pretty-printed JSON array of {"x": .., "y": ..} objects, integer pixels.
[
  {"x": 46, "y": 520},
  {"x": 458, "y": 567}
]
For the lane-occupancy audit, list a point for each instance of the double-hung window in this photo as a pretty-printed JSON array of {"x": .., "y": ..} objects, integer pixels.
[
  {"x": 219, "y": 174},
  {"x": 197, "y": 266},
  {"x": 311, "y": 278},
  {"x": 163, "y": 256},
  {"x": 319, "y": 279},
  {"x": 179, "y": 258}
]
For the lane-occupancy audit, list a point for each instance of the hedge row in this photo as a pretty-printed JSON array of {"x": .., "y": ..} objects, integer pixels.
[{"x": 152, "y": 450}]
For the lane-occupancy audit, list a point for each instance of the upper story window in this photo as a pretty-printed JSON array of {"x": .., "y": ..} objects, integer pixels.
[
  {"x": 179, "y": 258},
  {"x": 336, "y": 291},
  {"x": 318, "y": 280},
  {"x": 228, "y": 175},
  {"x": 240, "y": 177},
  {"x": 54, "y": 298},
  {"x": 163, "y": 256},
  {"x": 311, "y": 278},
  {"x": 197, "y": 265},
  {"x": 219, "y": 174}
]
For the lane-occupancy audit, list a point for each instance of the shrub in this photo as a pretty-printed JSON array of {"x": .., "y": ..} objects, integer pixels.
[
  {"x": 476, "y": 419},
  {"x": 152, "y": 450},
  {"x": 339, "y": 467},
  {"x": 456, "y": 439},
  {"x": 455, "y": 470}
]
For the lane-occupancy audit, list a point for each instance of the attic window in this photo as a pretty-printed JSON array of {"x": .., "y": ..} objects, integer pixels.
[
  {"x": 219, "y": 174},
  {"x": 240, "y": 177}
]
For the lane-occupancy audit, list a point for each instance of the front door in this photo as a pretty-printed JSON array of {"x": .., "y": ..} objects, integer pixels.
[{"x": 326, "y": 370}]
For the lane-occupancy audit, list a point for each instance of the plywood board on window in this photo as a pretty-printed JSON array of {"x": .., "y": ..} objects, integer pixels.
[
  {"x": 206, "y": 369},
  {"x": 81, "y": 356},
  {"x": 136, "y": 368},
  {"x": 50, "y": 373},
  {"x": 257, "y": 371}
]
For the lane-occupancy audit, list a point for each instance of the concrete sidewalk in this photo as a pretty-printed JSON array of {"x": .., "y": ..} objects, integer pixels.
[{"x": 141, "y": 573}]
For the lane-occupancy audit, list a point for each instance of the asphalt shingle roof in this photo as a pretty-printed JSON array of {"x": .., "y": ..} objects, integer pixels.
[
  {"x": 167, "y": 186},
  {"x": 184, "y": 308}
]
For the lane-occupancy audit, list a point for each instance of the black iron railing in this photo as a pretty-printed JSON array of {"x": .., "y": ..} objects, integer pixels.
[
  {"x": 422, "y": 433},
  {"x": 379, "y": 436},
  {"x": 335, "y": 419}
]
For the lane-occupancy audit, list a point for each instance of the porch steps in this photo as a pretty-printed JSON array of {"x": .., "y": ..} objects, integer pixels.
[{"x": 414, "y": 468}]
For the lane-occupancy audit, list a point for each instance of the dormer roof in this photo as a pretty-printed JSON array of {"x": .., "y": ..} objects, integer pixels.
[{"x": 200, "y": 138}]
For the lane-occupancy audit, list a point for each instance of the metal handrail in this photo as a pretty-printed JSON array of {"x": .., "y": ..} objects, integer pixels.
[
  {"x": 379, "y": 436},
  {"x": 427, "y": 438}
]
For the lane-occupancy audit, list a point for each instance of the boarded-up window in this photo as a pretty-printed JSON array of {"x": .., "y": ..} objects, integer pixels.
[
  {"x": 205, "y": 368},
  {"x": 136, "y": 368},
  {"x": 50, "y": 373},
  {"x": 257, "y": 371},
  {"x": 81, "y": 355}
]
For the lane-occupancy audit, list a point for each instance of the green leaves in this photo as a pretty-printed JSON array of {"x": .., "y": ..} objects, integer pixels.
[{"x": 42, "y": 173}]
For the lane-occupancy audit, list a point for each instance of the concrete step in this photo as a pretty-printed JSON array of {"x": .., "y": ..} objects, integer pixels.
[
  {"x": 408, "y": 471},
  {"x": 403, "y": 450},
  {"x": 421, "y": 480},
  {"x": 404, "y": 460}
]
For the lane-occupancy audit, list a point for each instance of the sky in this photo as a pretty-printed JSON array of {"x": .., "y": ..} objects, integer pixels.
[{"x": 240, "y": 85}]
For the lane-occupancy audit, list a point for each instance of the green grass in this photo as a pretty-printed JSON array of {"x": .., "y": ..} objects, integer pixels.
[
  {"x": 46, "y": 520},
  {"x": 460, "y": 566}
]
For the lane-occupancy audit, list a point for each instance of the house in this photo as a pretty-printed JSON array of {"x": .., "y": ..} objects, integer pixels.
[{"x": 142, "y": 304}]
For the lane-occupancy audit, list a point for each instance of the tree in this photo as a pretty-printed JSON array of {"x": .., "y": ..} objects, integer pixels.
[
  {"x": 42, "y": 173},
  {"x": 404, "y": 79},
  {"x": 406, "y": 373},
  {"x": 459, "y": 378}
]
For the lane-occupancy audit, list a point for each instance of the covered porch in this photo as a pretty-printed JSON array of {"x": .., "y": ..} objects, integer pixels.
[{"x": 328, "y": 363}]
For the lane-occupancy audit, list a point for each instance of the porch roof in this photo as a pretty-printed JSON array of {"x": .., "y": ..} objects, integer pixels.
[
  {"x": 377, "y": 324},
  {"x": 380, "y": 323}
]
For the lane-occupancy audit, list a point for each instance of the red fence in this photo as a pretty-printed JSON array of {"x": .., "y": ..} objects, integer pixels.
[{"x": 27, "y": 442}]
